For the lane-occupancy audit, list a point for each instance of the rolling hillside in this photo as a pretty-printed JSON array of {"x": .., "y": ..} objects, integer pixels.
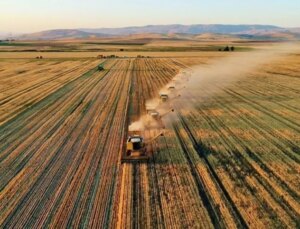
[{"x": 259, "y": 32}]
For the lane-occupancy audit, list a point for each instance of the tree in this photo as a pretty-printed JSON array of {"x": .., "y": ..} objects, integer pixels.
[
  {"x": 232, "y": 48},
  {"x": 226, "y": 49}
]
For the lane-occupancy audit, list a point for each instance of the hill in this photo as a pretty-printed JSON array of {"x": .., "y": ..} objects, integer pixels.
[
  {"x": 188, "y": 29},
  {"x": 213, "y": 32},
  {"x": 60, "y": 34}
]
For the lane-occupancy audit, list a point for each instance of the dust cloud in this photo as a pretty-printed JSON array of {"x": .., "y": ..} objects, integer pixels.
[
  {"x": 199, "y": 83},
  {"x": 137, "y": 126},
  {"x": 220, "y": 74}
]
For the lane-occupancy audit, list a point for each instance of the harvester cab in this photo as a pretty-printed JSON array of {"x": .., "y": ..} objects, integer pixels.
[
  {"x": 135, "y": 148},
  {"x": 171, "y": 87},
  {"x": 154, "y": 114},
  {"x": 164, "y": 97}
]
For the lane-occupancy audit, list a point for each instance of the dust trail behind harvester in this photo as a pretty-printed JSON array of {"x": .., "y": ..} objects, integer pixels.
[
  {"x": 222, "y": 73},
  {"x": 214, "y": 77},
  {"x": 226, "y": 71},
  {"x": 137, "y": 126}
]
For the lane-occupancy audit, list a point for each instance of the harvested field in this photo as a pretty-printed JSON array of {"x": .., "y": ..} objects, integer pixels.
[{"x": 230, "y": 160}]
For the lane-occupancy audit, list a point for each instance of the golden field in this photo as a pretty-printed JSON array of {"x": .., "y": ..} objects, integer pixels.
[{"x": 229, "y": 157}]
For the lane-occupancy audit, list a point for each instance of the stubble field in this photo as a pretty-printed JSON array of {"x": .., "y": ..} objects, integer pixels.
[{"x": 228, "y": 160}]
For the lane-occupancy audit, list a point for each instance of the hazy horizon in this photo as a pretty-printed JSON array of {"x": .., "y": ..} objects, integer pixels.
[
  {"x": 129, "y": 26},
  {"x": 25, "y": 16}
]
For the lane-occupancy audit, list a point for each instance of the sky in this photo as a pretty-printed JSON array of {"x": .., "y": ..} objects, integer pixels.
[{"x": 19, "y": 16}]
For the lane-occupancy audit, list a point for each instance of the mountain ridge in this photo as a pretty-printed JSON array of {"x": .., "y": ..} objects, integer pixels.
[
  {"x": 179, "y": 28},
  {"x": 241, "y": 30}
]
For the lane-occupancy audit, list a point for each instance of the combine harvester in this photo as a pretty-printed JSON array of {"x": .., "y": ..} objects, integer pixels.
[
  {"x": 171, "y": 87},
  {"x": 164, "y": 97},
  {"x": 155, "y": 115},
  {"x": 138, "y": 150}
]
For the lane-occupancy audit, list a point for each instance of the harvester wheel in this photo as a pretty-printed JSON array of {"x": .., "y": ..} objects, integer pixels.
[{"x": 128, "y": 153}]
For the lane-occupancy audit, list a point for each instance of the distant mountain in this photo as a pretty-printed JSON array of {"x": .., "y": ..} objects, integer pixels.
[
  {"x": 172, "y": 31},
  {"x": 60, "y": 34},
  {"x": 187, "y": 29},
  {"x": 294, "y": 30}
]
